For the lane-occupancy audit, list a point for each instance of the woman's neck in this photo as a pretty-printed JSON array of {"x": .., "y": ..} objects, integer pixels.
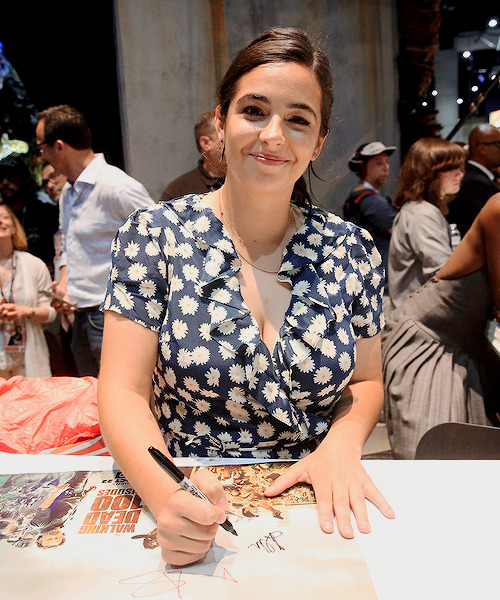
[
  {"x": 263, "y": 219},
  {"x": 6, "y": 250}
]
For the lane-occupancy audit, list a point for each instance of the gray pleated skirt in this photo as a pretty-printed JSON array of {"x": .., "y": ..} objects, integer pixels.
[{"x": 430, "y": 350}]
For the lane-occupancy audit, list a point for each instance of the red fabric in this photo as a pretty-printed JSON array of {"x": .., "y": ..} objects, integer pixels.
[{"x": 46, "y": 412}]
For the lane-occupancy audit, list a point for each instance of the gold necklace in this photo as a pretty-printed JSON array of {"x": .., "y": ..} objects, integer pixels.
[
  {"x": 247, "y": 260},
  {"x": 238, "y": 252}
]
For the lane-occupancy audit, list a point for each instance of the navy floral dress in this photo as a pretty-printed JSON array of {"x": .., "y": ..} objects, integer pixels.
[{"x": 218, "y": 389}]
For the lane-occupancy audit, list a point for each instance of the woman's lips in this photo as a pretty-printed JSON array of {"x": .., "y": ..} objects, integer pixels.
[{"x": 268, "y": 159}]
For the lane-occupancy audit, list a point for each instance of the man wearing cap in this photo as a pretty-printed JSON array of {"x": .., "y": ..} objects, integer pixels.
[{"x": 365, "y": 206}]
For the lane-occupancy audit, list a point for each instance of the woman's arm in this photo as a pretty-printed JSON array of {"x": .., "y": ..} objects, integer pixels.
[
  {"x": 489, "y": 221},
  {"x": 127, "y": 361},
  {"x": 15, "y": 312},
  {"x": 334, "y": 469},
  {"x": 479, "y": 247},
  {"x": 186, "y": 525}
]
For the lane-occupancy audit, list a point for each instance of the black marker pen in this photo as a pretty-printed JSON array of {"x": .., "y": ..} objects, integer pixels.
[{"x": 179, "y": 477}]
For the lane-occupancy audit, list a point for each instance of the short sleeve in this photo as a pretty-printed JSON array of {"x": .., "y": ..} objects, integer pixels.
[
  {"x": 430, "y": 239},
  {"x": 137, "y": 286},
  {"x": 367, "y": 317}
]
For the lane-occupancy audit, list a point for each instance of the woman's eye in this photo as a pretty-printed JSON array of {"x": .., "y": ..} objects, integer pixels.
[
  {"x": 253, "y": 111},
  {"x": 299, "y": 121}
]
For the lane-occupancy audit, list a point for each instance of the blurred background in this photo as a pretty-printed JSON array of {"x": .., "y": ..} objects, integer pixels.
[{"x": 143, "y": 70}]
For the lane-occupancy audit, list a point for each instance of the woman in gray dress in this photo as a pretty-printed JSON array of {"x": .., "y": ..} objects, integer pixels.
[
  {"x": 437, "y": 363},
  {"x": 420, "y": 243}
]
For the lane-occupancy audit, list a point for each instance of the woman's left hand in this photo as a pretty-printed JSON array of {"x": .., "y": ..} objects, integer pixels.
[
  {"x": 340, "y": 484},
  {"x": 14, "y": 312}
]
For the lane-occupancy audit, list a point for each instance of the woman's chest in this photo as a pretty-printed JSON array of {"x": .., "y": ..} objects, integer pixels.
[{"x": 267, "y": 300}]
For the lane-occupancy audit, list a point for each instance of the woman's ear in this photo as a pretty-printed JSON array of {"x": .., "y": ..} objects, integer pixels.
[
  {"x": 319, "y": 146},
  {"x": 219, "y": 122}
]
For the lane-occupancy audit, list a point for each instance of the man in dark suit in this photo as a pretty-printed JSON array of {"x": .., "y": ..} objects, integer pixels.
[{"x": 478, "y": 184}]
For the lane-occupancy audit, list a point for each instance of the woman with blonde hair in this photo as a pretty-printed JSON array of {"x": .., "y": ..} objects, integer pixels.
[
  {"x": 23, "y": 307},
  {"x": 420, "y": 243}
]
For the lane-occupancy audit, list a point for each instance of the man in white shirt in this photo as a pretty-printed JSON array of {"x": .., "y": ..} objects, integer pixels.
[
  {"x": 94, "y": 203},
  {"x": 478, "y": 184}
]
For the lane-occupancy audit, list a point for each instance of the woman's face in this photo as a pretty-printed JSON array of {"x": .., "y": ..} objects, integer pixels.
[
  {"x": 450, "y": 181},
  {"x": 271, "y": 131},
  {"x": 7, "y": 227}
]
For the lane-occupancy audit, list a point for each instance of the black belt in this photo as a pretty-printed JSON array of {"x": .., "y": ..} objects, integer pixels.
[{"x": 87, "y": 308}]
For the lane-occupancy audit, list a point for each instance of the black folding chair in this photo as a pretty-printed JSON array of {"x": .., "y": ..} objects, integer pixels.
[{"x": 459, "y": 441}]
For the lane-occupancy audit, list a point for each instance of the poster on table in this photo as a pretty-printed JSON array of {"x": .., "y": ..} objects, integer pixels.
[{"x": 86, "y": 534}]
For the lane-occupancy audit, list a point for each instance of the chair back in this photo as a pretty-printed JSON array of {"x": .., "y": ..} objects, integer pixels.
[{"x": 460, "y": 441}]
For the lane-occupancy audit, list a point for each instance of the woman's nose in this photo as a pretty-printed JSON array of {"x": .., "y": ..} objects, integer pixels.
[{"x": 273, "y": 131}]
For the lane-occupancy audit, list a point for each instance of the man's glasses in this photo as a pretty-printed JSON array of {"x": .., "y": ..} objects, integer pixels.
[
  {"x": 497, "y": 143},
  {"x": 39, "y": 145}
]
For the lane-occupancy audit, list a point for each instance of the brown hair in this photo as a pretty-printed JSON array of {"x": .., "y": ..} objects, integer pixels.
[
  {"x": 419, "y": 177},
  {"x": 278, "y": 45},
  {"x": 204, "y": 126},
  {"x": 66, "y": 123},
  {"x": 19, "y": 240}
]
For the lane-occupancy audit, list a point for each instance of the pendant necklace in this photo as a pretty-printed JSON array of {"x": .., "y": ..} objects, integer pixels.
[{"x": 242, "y": 241}]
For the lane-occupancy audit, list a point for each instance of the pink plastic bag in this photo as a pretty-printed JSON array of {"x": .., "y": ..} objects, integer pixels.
[{"x": 46, "y": 412}]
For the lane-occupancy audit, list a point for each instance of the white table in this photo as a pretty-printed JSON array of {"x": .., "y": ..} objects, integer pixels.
[{"x": 443, "y": 544}]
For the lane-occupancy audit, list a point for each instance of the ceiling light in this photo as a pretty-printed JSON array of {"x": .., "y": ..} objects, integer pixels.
[
  {"x": 460, "y": 100},
  {"x": 492, "y": 23},
  {"x": 466, "y": 54}
]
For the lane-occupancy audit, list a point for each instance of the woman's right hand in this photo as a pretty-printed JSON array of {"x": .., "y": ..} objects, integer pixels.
[{"x": 187, "y": 524}]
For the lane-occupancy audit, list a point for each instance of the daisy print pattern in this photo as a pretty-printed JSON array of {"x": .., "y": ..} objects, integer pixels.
[{"x": 218, "y": 389}]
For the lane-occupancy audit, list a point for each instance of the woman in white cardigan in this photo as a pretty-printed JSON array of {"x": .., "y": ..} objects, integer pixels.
[{"x": 23, "y": 308}]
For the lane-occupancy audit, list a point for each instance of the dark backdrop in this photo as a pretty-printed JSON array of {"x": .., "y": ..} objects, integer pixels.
[{"x": 64, "y": 52}]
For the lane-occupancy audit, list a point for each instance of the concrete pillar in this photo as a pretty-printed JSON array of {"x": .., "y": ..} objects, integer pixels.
[{"x": 167, "y": 78}]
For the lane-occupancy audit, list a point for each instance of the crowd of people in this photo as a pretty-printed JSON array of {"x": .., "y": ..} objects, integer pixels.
[{"x": 254, "y": 317}]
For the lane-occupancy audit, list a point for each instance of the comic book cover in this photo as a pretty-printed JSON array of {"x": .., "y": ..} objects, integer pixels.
[{"x": 87, "y": 534}]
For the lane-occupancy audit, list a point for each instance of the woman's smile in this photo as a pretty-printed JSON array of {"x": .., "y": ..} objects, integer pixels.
[
  {"x": 274, "y": 119},
  {"x": 268, "y": 159}
]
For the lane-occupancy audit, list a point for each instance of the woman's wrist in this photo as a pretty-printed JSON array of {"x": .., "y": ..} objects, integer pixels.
[{"x": 31, "y": 312}]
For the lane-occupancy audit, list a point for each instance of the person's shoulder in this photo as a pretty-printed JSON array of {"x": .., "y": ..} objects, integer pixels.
[
  {"x": 414, "y": 208},
  {"x": 472, "y": 170},
  {"x": 188, "y": 176},
  {"x": 360, "y": 192},
  {"x": 31, "y": 260},
  {"x": 473, "y": 177},
  {"x": 167, "y": 211},
  {"x": 329, "y": 220},
  {"x": 337, "y": 230},
  {"x": 116, "y": 177},
  {"x": 187, "y": 183},
  {"x": 490, "y": 213}
]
